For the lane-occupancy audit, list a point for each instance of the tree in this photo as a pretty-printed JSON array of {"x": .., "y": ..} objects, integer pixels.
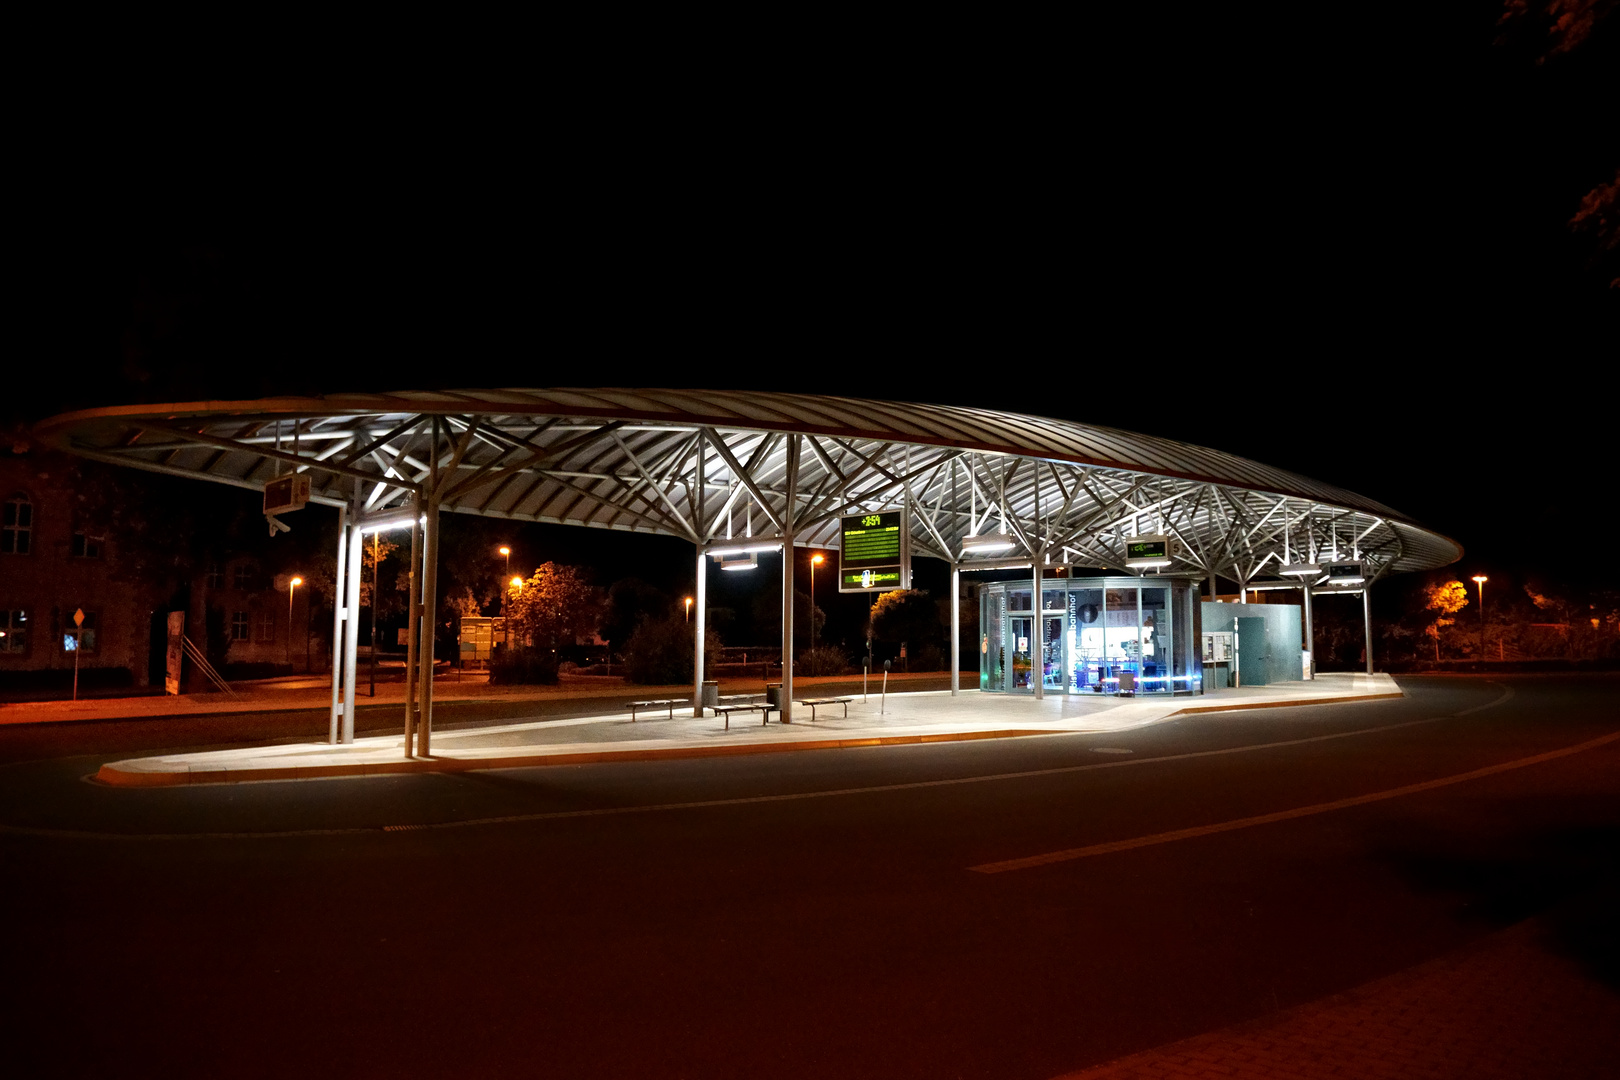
[
  {"x": 907, "y": 616},
  {"x": 629, "y": 601},
  {"x": 1444, "y": 600},
  {"x": 555, "y": 606},
  {"x": 660, "y": 651}
]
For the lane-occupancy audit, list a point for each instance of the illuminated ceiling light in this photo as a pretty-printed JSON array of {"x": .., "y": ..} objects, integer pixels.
[
  {"x": 1300, "y": 569},
  {"x": 987, "y": 542},
  {"x": 724, "y": 550},
  {"x": 967, "y": 567},
  {"x": 739, "y": 561}
]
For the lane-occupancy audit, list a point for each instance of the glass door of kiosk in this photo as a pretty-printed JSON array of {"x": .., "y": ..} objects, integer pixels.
[{"x": 1019, "y": 629}]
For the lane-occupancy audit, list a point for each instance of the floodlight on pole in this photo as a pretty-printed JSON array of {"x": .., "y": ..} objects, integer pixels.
[
  {"x": 1480, "y": 580},
  {"x": 688, "y": 609},
  {"x": 814, "y": 559},
  {"x": 506, "y": 628}
]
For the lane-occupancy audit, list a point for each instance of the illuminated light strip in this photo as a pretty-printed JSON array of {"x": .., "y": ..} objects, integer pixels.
[{"x": 1285, "y": 815}]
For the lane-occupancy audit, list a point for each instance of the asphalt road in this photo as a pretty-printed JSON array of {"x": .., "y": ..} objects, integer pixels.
[{"x": 821, "y": 914}]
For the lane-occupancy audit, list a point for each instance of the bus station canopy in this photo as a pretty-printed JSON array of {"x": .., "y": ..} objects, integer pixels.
[{"x": 719, "y": 466}]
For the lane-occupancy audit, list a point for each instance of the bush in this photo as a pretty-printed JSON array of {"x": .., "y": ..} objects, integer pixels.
[
  {"x": 660, "y": 651},
  {"x": 822, "y": 660},
  {"x": 522, "y": 667}
]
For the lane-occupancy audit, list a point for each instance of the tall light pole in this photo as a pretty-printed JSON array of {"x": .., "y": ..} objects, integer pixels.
[
  {"x": 516, "y": 584},
  {"x": 688, "y": 609},
  {"x": 813, "y": 560},
  {"x": 376, "y": 564},
  {"x": 292, "y": 589},
  {"x": 1480, "y": 580},
  {"x": 506, "y": 630}
]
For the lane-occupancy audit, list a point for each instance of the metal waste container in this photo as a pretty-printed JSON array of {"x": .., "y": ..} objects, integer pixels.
[
  {"x": 711, "y": 694},
  {"x": 773, "y": 694}
]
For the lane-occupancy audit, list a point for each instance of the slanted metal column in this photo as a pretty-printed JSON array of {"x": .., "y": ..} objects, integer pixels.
[
  {"x": 413, "y": 622},
  {"x": 702, "y": 605},
  {"x": 337, "y": 621},
  {"x": 956, "y": 629},
  {"x": 351, "y": 618},
  {"x": 1366, "y": 618}
]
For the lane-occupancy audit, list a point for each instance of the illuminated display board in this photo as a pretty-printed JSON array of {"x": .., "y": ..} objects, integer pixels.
[
  {"x": 873, "y": 555},
  {"x": 1148, "y": 548},
  {"x": 1349, "y": 572}
]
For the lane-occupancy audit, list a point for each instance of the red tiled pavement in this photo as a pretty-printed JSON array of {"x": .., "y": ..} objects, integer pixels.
[{"x": 1505, "y": 1007}]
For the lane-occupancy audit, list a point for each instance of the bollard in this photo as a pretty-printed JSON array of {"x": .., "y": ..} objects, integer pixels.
[
  {"x": 883, "y": 702},
  {"x": 866, "y": 669}
]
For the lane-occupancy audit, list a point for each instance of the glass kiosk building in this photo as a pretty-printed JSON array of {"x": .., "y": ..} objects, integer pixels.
[{"x": 1087, "y": 633}]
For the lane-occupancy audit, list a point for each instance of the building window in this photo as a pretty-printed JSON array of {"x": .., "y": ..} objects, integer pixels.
[
  {"x": 86, "y": 546},
  {"x": 80, "y": 638},
  {"x": 264, "y": 627},
  {"x": 17, "y": 526},
  {"x": 245, "y": 576},
  {"x": 14, "y": 625},
  {"x": 216, "y": 576},
  {"x": 239, "y": 626}
]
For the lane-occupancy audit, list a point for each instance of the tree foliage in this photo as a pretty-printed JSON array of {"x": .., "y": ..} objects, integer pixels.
[
  {"x": 659, "y": 651},
  {"x": 906, "y": 615},
  {"x": 553, "y": 607}
]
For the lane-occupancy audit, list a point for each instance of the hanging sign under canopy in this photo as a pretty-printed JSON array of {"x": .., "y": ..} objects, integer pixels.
[
  {"x": 1146, "y": 552},
  {"x": 874, "y": 552},
  {"x": 1345, "y": 573}
]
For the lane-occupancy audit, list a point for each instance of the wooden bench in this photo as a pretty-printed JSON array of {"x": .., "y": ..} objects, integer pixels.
[
  {"x": 813, "y": 702},
  {"x": 663, "y": 703}
]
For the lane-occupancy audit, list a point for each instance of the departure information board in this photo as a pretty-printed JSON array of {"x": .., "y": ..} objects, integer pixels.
[{"x": 873, "y": 553}]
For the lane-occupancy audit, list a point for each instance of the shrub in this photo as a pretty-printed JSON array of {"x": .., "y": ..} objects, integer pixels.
[
  {"x": 822, "y": 660},
  {"x": 660, "y": 651},
  {"x": 522, "y": 667}
]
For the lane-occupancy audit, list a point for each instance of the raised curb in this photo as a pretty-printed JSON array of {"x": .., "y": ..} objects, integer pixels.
[
  {"x": 1297, "y": 703},
  {"x": 113, "y": 776}
]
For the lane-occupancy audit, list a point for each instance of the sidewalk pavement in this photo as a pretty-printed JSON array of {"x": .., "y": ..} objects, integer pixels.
[
  {"x": 933, "y": 716},
  {"x": 298, "y": 694},
  {"x": 1507, "y": 1007}
]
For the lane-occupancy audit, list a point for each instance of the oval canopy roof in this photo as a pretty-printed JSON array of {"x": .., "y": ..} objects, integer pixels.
[{"x": 708, "y": 465}]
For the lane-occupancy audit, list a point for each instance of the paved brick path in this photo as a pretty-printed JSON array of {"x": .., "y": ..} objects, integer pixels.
[{"x": 1503, "y": 1008}]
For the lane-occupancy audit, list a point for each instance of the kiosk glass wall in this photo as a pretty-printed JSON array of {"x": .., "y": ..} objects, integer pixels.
[{"x": 1087, "y": 631}]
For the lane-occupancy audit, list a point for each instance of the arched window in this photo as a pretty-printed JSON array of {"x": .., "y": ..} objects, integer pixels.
[{"x": 17, "y": 526}]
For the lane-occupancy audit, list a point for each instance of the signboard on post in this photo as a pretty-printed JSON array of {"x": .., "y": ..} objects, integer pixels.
[
  {"x": 874, "y": 552},
  {"x": 286, "y": 493}
]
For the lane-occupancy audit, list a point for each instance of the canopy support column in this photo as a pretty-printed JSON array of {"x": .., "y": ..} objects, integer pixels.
[
  {"x": 702, "y": 604},
  {"x": 337, "y": 621},
  {"x": 1366, "y": 618},
  {"x": 1037, "y": 632},
  {"x": 351, "y": 618},
  {"x": 786, "y": 702},
  {"x": 1310, "y": 633},
  {"x": 413, "y": 623},
  {"x": 956, "y": 629},
  {"x": 430, "y": 586}
]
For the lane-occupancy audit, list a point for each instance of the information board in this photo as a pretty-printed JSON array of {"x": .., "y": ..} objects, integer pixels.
[{"x": 874, "y": 554}]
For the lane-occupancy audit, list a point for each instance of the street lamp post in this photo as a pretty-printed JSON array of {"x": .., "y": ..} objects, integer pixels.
[
  {"x": 506, "y": 630},
  {"x": 688, "y": 609},
  {"x": 1480, "y": 580},
  {"x": 813, "y": 560},
  {"x": 292, "y": 590},
  {"x": 376, "y": 564}
]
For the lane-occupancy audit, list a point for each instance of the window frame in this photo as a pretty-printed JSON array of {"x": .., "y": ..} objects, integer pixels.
[
  {"x": 17, "y": 506},
  {"x": 92, "y": 626},
  {"x": 243, "y": 620},
  {"x": 8, "y": 646}
]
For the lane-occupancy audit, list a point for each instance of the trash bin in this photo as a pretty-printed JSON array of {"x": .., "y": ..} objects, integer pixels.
[
  {"x": 773, "y": 694},
  {"x": 711, "y": 694},
  {"x": 1127, "y": 684}
]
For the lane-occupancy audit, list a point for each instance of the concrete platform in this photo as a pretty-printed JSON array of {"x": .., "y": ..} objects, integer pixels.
[{"x": 905, "y": 718}]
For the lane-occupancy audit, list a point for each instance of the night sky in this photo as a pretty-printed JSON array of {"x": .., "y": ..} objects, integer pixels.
[{"x": 1339, "y": 247}]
